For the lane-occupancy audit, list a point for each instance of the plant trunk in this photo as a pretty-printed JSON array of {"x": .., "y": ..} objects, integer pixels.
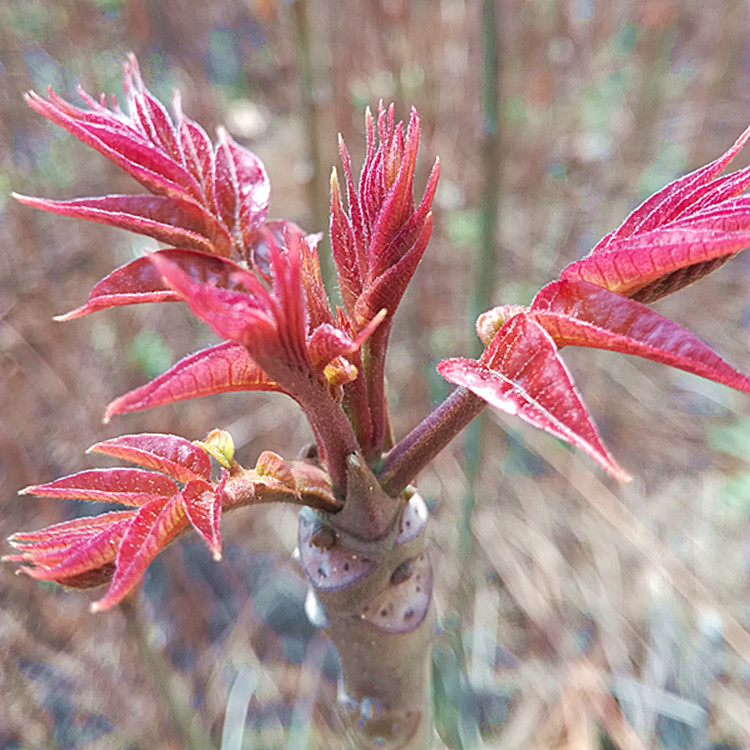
[{"x": 371, "y": 590}]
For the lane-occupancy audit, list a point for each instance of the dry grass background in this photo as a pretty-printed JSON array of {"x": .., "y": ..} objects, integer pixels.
[{"x": 568, "y": 590}]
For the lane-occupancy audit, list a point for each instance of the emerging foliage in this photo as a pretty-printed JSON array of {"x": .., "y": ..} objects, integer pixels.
[
  {"x": 174, "y": 494},
  {"x": 680, "y": 234},
  {"x": 257, "y": 284}
]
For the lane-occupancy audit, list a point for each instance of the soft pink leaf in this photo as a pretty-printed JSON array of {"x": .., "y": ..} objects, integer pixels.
[
  {"x": 125, "y": 486},
  {"x": 576, "y": 313},
  {"x": 156, "y": 524},
  {"x": 218, "y": 369},
  {"x": 522, "y": 374},
  {"x": 170, "y": 454}
]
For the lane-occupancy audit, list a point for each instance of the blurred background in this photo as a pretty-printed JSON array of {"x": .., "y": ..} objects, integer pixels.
[{"x": 559, "y": 594}]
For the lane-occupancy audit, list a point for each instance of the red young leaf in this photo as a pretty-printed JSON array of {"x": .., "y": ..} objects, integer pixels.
[
  {"x": 326, "y": 343},
  {"x": 576, "y": 313},
  {"x": 125, "y": 486},
  {"x": 155, "y": 525},
  {"x": 247, "y": 319},
  {"x": 76, "y": 562},
  {"x": 207, "y": 199},
  {"x": 218, "y": 369},
  {"x": 271, "y": 465},
  {"x": 203, "y": 508},
  {"x": 384, "y": 231},
  {"x": 644, "y": 266},
  {"x": 169, "y": 220},
  {"x": 522, "y": 374},
  {"x": 674, "y": 200},
  {"x": 385, "y": 291},
  {"x": 173, "y": 455},
  {"x": 686, "y": 230},
  {"x": 51, "y": 544},
  {"x": 348, "y": 254},
  {"x": 139, "y": 281},
  {"x": 377, "y": 248},
  {"x": 318, "y": 307},
  {"x": 87, "y": 552},
  {"x": 271, "y": 324},
  {"x": 241, "y": 189},
  {"x": 113, "y": 135}
]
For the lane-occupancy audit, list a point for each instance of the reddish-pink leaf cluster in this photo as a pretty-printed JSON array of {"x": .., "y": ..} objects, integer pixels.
[
  {"x": 174, "y": 494},
  {"x": 171, "y": 495},
  {"x": 205, "y": 198},
  {"x": 256, "y": 283},
  {"x": 680, "y": 234},
  {"x": 377, "y": 248}
]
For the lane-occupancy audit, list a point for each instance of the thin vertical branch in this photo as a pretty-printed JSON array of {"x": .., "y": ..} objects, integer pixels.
[{"x": 485, "y": 276}]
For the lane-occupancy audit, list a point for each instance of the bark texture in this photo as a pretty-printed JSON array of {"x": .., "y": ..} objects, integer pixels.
[{"x": 371, "y": 581}]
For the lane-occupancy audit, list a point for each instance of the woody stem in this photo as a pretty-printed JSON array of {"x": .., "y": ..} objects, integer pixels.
[{"x": 411, "y": 454}]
